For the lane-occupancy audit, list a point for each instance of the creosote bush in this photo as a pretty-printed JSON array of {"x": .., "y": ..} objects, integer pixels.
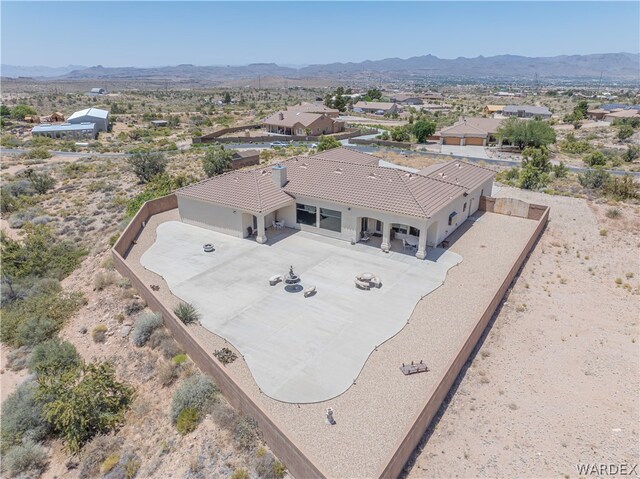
[
  {"x": 188, "y": 420},
  {"x": 21, "y": 417},
  {"x": 53, "y": 355},
  {"x": 187, "y": 313},
  {"x": 197, "y": 392},
  {"x": 25, "y": 460},
  {"x": 99, "y": 333},
  {"x": 144, "y": 326}
]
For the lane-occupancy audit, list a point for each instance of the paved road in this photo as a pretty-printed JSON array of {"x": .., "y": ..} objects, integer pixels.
[{"x": 16, "y": 151}]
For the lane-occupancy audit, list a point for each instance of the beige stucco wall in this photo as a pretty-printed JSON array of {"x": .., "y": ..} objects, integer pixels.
[{"x": 213, "y": 217}]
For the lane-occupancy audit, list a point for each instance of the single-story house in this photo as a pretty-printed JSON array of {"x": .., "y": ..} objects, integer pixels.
[
  {"x": 341, "y": 193},
  {"x": 526, "y": 111},
  {"x": 69, "y": 131},
  {"x": 470, "y": 131},
  {"x": 98, "y": 91},
  {"x": 315, "y": 108},
  {"x": 92, "y": 115},
  {"x": 32, "y": 119},
  {"x": 619, "y": 106},
  {"x": 376, "y": 107},
  {"x": 597, "y": 114},
  {"x": 492, "y": 109},
  {"x": 432, "y": 95},
  {"x": 55, "y": 117},
  {"x": 301, "y": 124},
  {"x": 621, "y": 114},
  {"x": 406, "y": 99},
  {"x": 244, "y": 158},
  {"x": 159, "y": 123}
]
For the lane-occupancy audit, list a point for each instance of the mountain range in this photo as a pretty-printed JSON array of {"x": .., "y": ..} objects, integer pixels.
[{"x": 610, "y": 65}]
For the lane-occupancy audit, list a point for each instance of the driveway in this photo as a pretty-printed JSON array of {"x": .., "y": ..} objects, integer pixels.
[
  {"x": 299, "y": 350},
  {"x": 470, "y": 150}
]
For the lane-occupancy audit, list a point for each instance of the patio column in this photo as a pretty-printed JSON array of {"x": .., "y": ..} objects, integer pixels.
[
  {"x": 422, "y": 244},
  {"x": 386, "y": 235},
  {"x": 261, "y": 237}
]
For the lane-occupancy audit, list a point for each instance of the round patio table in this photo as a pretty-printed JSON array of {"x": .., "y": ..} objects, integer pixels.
[{"x": 366, "y": 276}]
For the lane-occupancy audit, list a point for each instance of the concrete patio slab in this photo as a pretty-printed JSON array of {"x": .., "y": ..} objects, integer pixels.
[{"x": 299, "y": 350}]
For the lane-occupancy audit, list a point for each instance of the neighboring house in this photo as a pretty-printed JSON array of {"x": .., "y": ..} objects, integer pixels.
[
  {"x": 93, "y": 115},
  {"x": 244, "y": 158},
  {"x": 621, "y": 114},
  {"x": 55, "y": 117},
  {"x": 340, "y": 193},
  {"x": 159, "y": 123},
  {"x": 619, "y": 106},
  {"x": 526, "y": 111},
  {"x": 376, "y": 107},
  {"x": 302, "y": 124},
  {"x": 407, "y": 99},
  {"x": 67, "y": 131},
  {"x": 98, "y": 91},
  {"x": 470, "y": 131},
  {"x": 32, "y": 119},
  {"x": 493, "y": 109},
  {"x": 432, "y": 96},
  {"x": 597, "y": 114},
  {"x": 315, "y": 108}
]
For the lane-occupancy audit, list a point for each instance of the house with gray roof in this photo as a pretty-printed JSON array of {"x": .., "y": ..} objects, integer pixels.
[
  {"x": 526, "y": 111},
  {"x": 67, "y": 131},
  {"x": 93, "y": 115},
  {"x": 341, "y": 193}
]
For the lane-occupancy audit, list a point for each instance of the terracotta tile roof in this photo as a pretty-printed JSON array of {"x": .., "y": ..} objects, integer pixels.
[
  {"x": 290, "y": 118},
  {"x": 472, "y": 127},
  {"x": 461, "y": 173},
  {"x": 348, "y": 154},
  {"x": 342, "y": 176},
  {"x": 249, "y": 190}
]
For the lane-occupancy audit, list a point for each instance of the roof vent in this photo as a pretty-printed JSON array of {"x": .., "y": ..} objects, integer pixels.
[
  {"x": 281, "y": 116},
  {"x": 372, "y": 175},
  {"x": 338, "y": 170},
  {"x": 304, "y": 165}
]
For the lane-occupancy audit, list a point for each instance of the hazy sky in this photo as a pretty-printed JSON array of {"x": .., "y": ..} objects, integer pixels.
[{"x": 219, "y": 33}]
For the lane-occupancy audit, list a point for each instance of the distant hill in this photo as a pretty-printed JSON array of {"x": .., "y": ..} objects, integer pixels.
[
  {"x": 612, "y": 66},
  {"x": 14, "y": 71}
]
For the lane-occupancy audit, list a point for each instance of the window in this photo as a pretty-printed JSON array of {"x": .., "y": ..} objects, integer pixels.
[
  {"x": 452, "y": 217},
  {"x": 305, "y": 214},
  {"x": 464, "y": 207},
  {"x": 331, "y": 219}
]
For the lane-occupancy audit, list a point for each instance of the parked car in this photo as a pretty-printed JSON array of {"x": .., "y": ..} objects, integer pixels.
[{"x": 278, "y": 144}]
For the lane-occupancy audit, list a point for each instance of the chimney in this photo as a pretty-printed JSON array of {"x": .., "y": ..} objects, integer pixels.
[
  {"x": 281, "y": 116},
  {"x": 279, "y": 175}
]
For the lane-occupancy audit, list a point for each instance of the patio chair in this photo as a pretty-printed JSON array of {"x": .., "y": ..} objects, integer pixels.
[
  {"x": 275, "y": 279},
  {"x": 362, "y": 284},
  {"x": 376, "y": 282},
  {"x": 408, "y": 246},
  {"x": 274, "y": 224},
  {"x": 310, "y": 291},
  {"x": 364, "y": 236}
]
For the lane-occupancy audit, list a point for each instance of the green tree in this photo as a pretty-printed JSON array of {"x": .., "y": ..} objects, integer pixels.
[
  {"x": 83, "y": 402},
  {"x": 20, "y": 111},
  {"x": 580, "y": 110},
  {"x": 147, "y": 164},
  {"x": 216, "y": 160},
  {"x": 538, "y": 158},
  {"x": 532, "y": 178},
  {"x": 423, "y": 129},
  {"x": 400, "y": 133},
  {"x": 373, "y": 94},
  {"x": 328, "y": 143},
  {"x": 4, "y": 110},
  {"x": 523, "y": 133},
  {"x": 625, "y": 131},
  {"x": 227, "y": 98}
]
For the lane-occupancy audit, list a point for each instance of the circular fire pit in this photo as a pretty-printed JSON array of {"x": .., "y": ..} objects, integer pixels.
[{"x": 208, "y": 248}]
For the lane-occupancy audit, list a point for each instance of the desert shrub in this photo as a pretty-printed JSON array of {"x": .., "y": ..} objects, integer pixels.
[
  {"x": 632, "y": 153},
  {"x": 109, "y": 463},
  {"x": 75, "y": 170},
  {"x": 596, "y": 158},
  {"x": 560, "y": 170},
  {"x": 532, "y": 178},
  {"x": 25, "y": 460},
  {"x": 38, "y": 153},
  {"x": 18, "y": 359},
  {"x": 240, "y": 473},
  {"x": 624, "y": 132},
  {"x": 37, "y": 318},
  {"x": 225, "y": 356},
  {"x": 84, "y": 402},
  {"x": 188, "y": 420},
  {"x": 216, "y": 160},
  {"x": 621, "y": 187},
  {"x": 594, "y": 178},
  {"x": 613, "y": 213},
  {"x": 55, "y": 355},
  {"x": 178, "y": 359},
  {"x": 197, "y": 392},
  {"x": 41, "y": 182},
  {"x": 133, "y": 307},
  {"x": 21, "y": 417},
  {"x": 39, "y": 254},
  {"x": 187, "y": 313},
  {"x": 225, "y": 416},
  {"x": 168, "y": 372},
  {"x": 144, "y": 326},
  {"x": 95, "y": 453},
  {"x": 99, "y": 333},
  {"x": 571, "y": 145},
  {"x": 246, "y": 433},
  {"x": 103, "y": 279},
  {"x": 267, "y": 467}
]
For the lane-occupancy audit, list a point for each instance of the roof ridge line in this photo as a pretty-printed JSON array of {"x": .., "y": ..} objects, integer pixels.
[{"x": 404, "y": 182}]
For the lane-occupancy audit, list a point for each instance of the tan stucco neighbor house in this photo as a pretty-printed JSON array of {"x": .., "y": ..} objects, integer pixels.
[
  {"x": 470, "y": 131},
  {"x": 341, "y": 193},
  {"x": 302, "y": 123}
]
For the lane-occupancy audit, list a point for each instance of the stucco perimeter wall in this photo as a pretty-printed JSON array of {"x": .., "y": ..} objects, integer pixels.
[
  {"x": 395, "y": 463},
  {"x": 296, "y": 461}
]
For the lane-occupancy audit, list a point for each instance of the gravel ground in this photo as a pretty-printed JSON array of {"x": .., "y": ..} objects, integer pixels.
[{"x": 372, "y": 414}]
